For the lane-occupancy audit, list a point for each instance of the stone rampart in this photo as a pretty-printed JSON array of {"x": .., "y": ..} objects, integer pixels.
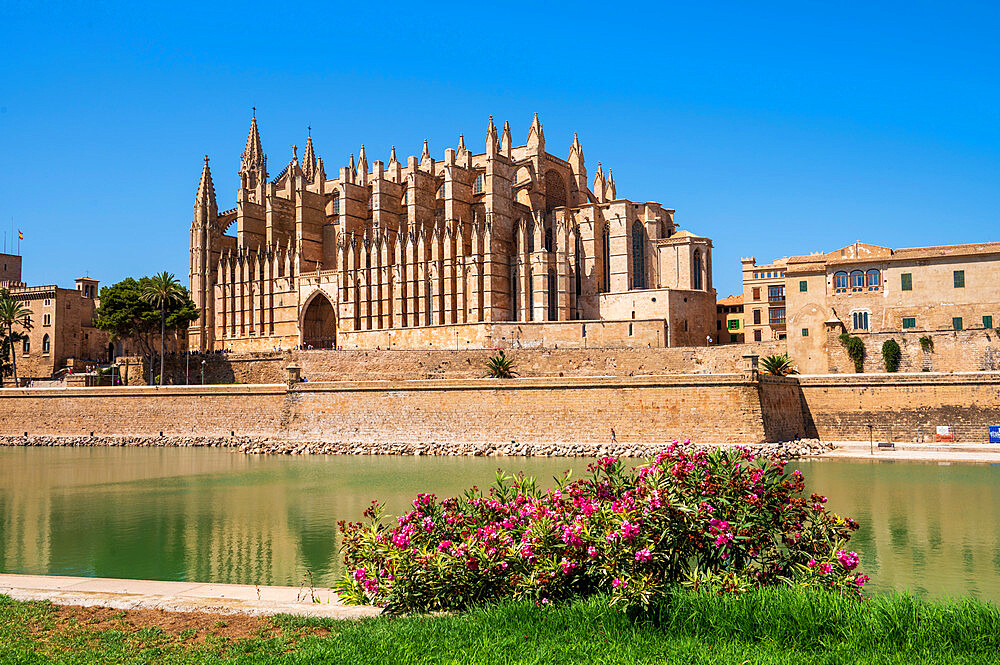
[{"x": 900, "y": 407}]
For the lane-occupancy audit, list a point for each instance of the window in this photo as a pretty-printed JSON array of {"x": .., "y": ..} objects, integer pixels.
[
  {"x": 873, "y": 279},
  {"x": 805, "y": 332},
  {"x": 776, "y": 316},
  {"x": 45, "y": 344},
  {"x": 47, "y": 302},
  {"x": 733, "y": 338},
  {"x": 718, "y": 324},
  {"x": 371, "y": 202},
  {"x": 46, "y": 319},
  {"x": 860, "y": 320},
  {"x": 606, "y": 260},
  {"x": 630, "y": 330},
  {"x": 639, "y": 256},
  {"x": 987, "y": 321},
  {"x": 697, "y": 270},
  {"x": 756, "y": 335},
  {"x": 840, "y": 282},
  {"x": 548, "y": 239},
  {"x": 335, "y": 205},
  {"x": 26, "y": 346},
  {"x": 857, "y": 280},
  {"x": 441, "y": 190},
  {"x": 477, "y": 185},
  {"x": 959, "y": 281},
  {"x": 956, "y": 323},
  {"x": 803, "y": 286},
  {"x": 776, "y": 292},
  {"x": 756, "y": 293},
  {"x": 734, "y": 324},
  {"x": 552, "y": 295},
  {"x": 906, "y": 281},
  {"x": 756, "y": 317},
  {"x": 909, "y": 322}
]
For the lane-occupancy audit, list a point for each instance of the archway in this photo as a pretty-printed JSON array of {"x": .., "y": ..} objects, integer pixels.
[{"x": 319, "y": 325}]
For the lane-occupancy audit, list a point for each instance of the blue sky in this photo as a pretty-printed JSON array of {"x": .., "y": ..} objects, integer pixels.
[{"x": 778, "y": 129}]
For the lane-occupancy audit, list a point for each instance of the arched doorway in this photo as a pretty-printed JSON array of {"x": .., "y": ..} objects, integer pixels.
[{"x": 319, "y": 325}]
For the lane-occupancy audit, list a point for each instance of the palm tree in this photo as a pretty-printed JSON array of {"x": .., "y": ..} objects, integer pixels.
[
  {"x": 13, "y": 313},
  {"x": 162, "y": 290},
  {"x": 778, "y": 365}
]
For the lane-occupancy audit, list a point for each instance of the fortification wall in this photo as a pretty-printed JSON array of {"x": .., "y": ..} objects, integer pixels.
[
  {"x": 900, "y": 407},
  {"x": 580, "y": 410},
  {"x": 953, "y": 351},
  {"x": 339, "y": 365}
]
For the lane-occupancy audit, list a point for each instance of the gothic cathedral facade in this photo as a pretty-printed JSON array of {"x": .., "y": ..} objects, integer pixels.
[{"x": 511, "y": 247}]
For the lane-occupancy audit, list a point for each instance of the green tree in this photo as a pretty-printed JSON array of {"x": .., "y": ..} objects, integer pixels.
[
  {"x": 13, "y": 313},
  {"x": 126, "y": 315},
  {"x": 163, "y": 290},
  {"x": 500, "y": 366}
]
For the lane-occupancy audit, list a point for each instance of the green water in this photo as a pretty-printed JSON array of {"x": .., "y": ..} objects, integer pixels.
[{"x": 213, "y": 515}]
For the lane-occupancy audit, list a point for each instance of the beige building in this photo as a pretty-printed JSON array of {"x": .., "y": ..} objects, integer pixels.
[
  {"x": 764, "y": 300},
  {"x": 868, "y": 290},
  {"x": 729, "y": 320},
  {"x": 63, "y": 336},
  {"x": 508, "y": 247}
]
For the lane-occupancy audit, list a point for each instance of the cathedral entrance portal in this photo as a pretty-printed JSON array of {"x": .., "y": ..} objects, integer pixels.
[{"x": 319, "y": 327}]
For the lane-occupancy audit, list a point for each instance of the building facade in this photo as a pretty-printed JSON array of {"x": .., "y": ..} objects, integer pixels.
[
  {"x": 868, "y": 290},
  {"x": 764, "y": 300},
  {"x": 511, "y": 246},
  {"x": 62, "y": 336},
  {"x": 729, "y": 320}
]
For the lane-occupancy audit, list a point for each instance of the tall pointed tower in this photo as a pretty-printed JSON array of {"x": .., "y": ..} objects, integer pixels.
[
  {"x": 253, "y": 166},
  {"x": 201, "y": 277}
]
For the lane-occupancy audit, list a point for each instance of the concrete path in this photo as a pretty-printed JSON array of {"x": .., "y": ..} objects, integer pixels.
[
  {"x": 968, "y": 453},
  {"x": 181, "y": 596}
]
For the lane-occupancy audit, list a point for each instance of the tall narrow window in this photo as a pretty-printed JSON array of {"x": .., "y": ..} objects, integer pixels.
[
  {"x": 987, "y": 321},
  {"x": 959, "y": 282},
  {"x": 477, "y": 185},
  {"x": 756, "y": 317},
  {"x": 552, "y": 295},
  {"x": 606, "y": 260},
  {"x": 956, "y": 323},
  {"x": 26, "y": 347},
  {"x": 45, "y": 344},
  {"x": 756, "y": 293},
  {"x": 906, "y": 281},
  {"x": 514, "y": 290},
  {"x": 697, "y": 281},
  {"x": 578, "y": 267},
  {"x": 531, "y": 294},
  {"x": 639, "y": 256}
]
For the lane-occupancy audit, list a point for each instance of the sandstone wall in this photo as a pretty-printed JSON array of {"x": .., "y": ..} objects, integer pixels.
[
  {"x": 340, "y": 365},
  {"x": 953, "y": 351},
  {"x": 900, "y": 407}
]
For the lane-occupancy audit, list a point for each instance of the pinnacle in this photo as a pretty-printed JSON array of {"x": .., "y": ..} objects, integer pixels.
[
  {"x": 206, "y": 189},
  {"x": 426, "y": 153},
  {"x": 392, "y": 155},
  {"x": 253, "y": 154}
]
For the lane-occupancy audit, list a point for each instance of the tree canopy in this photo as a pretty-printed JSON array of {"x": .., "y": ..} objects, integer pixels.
[{"x": 125, "y": 315}]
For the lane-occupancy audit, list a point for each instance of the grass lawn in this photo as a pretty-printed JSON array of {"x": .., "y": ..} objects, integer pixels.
[{"x": 772, "y": 626}]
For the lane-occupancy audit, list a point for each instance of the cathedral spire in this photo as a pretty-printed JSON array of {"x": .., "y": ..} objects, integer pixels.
[
  {"x": 362, "y": 177},
  {"x": 426, "y": 153},
  {"x": 491, "y": 138},
  {"x": 309, "y": 158},
  {"x": 206, "y": 190},
  {"x": 536, "y": 138},
  {"x": 609, "y": 188},
  {"x": 253, "y": 154},
  {"x": 392, "y": 156},
  {"x": 461, "y": 141},
  {"x": 505, "y": 140}
]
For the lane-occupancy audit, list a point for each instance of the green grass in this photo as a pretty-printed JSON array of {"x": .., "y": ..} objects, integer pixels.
[{"x": 775, "y": 626}]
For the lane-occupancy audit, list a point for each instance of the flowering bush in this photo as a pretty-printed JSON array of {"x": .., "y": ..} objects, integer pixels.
[{"x": 724, "y": 521}]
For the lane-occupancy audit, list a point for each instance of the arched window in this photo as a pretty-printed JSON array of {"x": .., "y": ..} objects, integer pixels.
[
  {"x": 638, "y": 256},
  {"x": 548, "y": 238},
  {"x": 26, "y": 346},
  {"x": 531, "y": 293},
  {"x": 606, "y": 260},
  {"x": 840, "y": 281},
  {"x": 857, "y": 280},
  {"x": 697, "y": 281},
  {"x": 552, "y": 295},
  {"x": 45, "y": 344},
  {"x": 515, "y": 294},
  {"x": 578, "y": 265},
  {"x": 479, "y": 184},
  {"x": 873, "y": 279},
  {"x": 335, "y": 205}
]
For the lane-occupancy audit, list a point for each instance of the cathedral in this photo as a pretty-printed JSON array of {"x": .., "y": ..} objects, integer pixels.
[{"x": 512, "y": 247}]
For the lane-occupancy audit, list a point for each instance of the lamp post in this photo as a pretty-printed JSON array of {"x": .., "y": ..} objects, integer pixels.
[
  {"x": 871, "y": 439},
  {"x": 202, "y": 372},
  {"x": 187, "y": 368}
]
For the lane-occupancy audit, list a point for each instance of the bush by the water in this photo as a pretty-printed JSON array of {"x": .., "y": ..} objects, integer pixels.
[{"x": 722, "y": 521}]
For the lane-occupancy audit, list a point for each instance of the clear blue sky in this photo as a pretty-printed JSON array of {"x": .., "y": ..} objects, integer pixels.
[{"x": 778, "y": 129}]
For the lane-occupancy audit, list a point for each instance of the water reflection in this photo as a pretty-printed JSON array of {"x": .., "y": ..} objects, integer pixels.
[{"x": 212, "y": 515}]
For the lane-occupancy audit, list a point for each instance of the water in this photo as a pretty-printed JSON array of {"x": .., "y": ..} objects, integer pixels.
[{"x": 213, "y": 515}]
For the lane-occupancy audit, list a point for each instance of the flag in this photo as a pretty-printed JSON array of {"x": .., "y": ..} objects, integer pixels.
[{"x": 20, "y": 236}]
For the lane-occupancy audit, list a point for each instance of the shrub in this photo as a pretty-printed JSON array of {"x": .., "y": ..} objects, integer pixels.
[
  {"x": 855, "y": 350},
  {"x": 778, "y": 365},
  {"x": 891, "y": 355},
  {"x": 927, "y": 343},
  {"x": 722, "y": 521},
  {"x": 500, "y": 366}
]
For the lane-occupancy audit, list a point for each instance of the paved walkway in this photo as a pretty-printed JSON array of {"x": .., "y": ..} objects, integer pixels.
[
  {"x": 976, "y": 453},
  {"x": 181, "y": 596}
]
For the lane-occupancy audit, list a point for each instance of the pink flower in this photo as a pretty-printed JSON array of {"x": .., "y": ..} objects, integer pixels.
[
  {"x": 617, "y": 583},
  {"x": 360, "y": 574},
  {"x": 812, "y": 563},
  {"x": 825, "y": 568},
  {"x": 591, "y": 551},
  {"x": 643, "y": 555},
  {"x": 849, "y": 560}
]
